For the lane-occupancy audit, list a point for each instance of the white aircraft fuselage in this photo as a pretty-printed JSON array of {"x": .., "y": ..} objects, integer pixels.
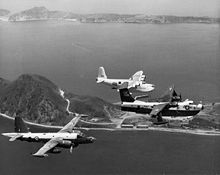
[
  {"x": 117, "y": 83},
  {"x": 44, "y": 137}
]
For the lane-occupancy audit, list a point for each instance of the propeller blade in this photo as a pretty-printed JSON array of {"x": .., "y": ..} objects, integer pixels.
[{"x": 71, "y": 149}]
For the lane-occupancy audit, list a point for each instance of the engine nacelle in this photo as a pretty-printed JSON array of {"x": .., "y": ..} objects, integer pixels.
[
  {"x": 67, "y": 144},
  {"x": 55, "y": 151}
]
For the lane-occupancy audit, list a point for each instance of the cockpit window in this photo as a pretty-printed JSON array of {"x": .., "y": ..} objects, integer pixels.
[{"x": 79, "y": 136}]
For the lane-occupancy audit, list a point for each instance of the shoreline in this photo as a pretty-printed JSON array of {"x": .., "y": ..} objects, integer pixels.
[{"x": 173, "y": 130}]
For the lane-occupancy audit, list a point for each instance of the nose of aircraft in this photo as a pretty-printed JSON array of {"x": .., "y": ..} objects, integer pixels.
[
  {"x": 200, "y": 106},
  {"x": 92, "y": 139}
]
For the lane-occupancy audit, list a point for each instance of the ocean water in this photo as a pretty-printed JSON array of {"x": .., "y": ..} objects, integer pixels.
[
  {"x": 116, "y": 152},
  {"x": 69, "y": 54}
]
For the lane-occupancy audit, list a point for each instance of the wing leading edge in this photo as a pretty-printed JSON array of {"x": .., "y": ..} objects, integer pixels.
[{"x": 52, "y": 143}]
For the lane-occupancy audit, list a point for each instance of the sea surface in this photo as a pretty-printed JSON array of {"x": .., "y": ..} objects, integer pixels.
[
  {"x": 69, "y": 54},
  {"x": 116, "y": 152}
]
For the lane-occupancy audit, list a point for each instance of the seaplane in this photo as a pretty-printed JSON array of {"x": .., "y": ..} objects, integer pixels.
[
  {"x": 67, "y": 137},
  {"x": 136, "y": 82},
  {"x": 170, "y": 104}
]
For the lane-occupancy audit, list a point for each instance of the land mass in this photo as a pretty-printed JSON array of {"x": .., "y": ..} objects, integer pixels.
[
  {"x": 42, "y": 13},
  {"x": 38, "y": 100}
]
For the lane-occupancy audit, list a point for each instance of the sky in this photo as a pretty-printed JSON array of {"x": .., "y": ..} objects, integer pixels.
[{"x": 151, "y": 7}]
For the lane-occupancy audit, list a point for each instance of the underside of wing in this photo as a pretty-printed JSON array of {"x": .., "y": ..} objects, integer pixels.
[
  {"x": 47, "y": 146},
  {"x": 157, "y": 109}
]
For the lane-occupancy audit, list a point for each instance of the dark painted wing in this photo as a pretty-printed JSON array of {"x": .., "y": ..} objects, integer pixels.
[{"x": 158, "y": 108}]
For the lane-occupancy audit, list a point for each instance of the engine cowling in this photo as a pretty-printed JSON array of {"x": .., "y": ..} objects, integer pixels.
[
  {"x": 55, "y": 151},
  {"x": 67, "y": 144}
]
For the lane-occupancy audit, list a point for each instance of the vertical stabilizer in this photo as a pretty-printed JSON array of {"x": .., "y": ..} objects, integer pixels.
[
  {"x": 170, "y": 95},
  {"x": 102, "y": 73},
  {"x": 125, "y": 95},
  {"x": 20, "y": 125}
]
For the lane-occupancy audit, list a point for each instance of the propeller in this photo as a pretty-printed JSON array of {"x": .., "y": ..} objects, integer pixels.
[
  {"x": 200, "y": 105},
  {"x": 71, "y": 149}
]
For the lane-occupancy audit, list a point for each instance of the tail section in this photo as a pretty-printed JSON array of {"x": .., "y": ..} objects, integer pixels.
[
  {"x": 101, "y": 75},
  {"x": 170, "y": 95},
  {"x": 125, "y": 95},
  {"x": 20, "y": 125}
]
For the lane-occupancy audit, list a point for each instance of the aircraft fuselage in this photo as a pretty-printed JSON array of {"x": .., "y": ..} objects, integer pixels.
[
  {"x": 44, "y": 137},
  {"x": 179, "y": 109}
]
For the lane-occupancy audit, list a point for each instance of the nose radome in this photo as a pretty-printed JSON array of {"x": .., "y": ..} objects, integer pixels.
[
  {"x": 200, "y": 106},
  {"x": 92, "y": 139}
]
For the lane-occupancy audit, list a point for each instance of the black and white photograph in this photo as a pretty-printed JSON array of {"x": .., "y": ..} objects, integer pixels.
[{"x": 109, "y": 87}]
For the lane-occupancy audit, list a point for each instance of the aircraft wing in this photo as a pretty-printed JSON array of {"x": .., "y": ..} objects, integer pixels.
[
  {"x": 15, "y": 137},
  {"x": 70, "y": 126},
  {"x": 158, "y": 108},
  {"x": 47, "y": 146},
  {"x": 137, "y": 76},
  {"x": 136, "y": 79}
]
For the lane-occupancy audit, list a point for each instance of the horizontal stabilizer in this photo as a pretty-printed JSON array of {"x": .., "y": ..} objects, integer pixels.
[{"x": 14, "y": 138}]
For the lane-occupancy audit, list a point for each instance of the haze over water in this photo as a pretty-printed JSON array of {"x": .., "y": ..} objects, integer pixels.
[{"x": 69, "y": 54}]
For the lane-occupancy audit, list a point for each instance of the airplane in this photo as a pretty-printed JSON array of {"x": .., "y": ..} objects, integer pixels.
[
  {"x": 170, "y": 104},
  {"x": 64, "y": 138},
  {"x": 136, "y": 82}
]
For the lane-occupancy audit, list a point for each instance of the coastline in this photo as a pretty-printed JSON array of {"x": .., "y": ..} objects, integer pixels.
[{"x": 160, "y": 129}]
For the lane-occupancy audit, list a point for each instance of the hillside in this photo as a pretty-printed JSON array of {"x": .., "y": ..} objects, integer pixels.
[
  {"x": 39, "y": 100},
  {"x": 4, "y": 12},
  {"x": 42, "y": 13}
]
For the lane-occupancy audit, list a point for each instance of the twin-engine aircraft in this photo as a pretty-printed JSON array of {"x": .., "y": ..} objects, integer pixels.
[
  {"x": 170, "y": 104},
  {"x": 136, "y": 82},
  {"x": 65, "y": 138}
]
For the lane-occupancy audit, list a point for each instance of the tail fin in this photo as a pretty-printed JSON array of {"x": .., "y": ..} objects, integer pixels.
[
  {"x": 170, "y": 95},
  {"x": 101, "y": 73},
  {"x": 20, "y": 125},
  {"x": 125, "y": 95}
]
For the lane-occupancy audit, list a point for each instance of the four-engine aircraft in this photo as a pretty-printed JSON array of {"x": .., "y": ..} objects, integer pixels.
[
  {"x": 136, "y": 82},
  {"x": 170, "y": 104},
  {"x": 67, "y": 137}
]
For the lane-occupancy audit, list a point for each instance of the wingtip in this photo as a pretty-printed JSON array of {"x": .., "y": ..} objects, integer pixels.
[{"x": 40, "y": 155}]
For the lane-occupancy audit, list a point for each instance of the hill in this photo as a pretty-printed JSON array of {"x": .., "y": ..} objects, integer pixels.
[
  {"x": 4, "y": 12},
  {"x": 42, "y": 13},
  {"x": 39, "y": 100}
]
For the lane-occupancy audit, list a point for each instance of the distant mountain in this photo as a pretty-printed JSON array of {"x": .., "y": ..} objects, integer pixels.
[
  {"x": 36, "y": 13},
  {"x": 4, "y": 12},
  {"x": 3, "y": 83},
  {"x": 42, "y": 13},
  {"x": 38, "y": 99}
]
